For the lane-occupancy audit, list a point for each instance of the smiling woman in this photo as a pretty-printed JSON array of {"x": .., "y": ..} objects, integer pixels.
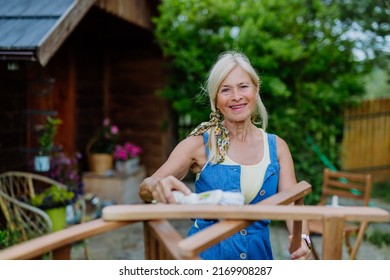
[{"x": 230, "y": 153}]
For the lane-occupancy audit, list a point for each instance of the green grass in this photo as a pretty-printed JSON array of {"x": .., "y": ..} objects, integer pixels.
[
  {"x": 378, "y": 238},
  {"x": 381, "y": 190}
]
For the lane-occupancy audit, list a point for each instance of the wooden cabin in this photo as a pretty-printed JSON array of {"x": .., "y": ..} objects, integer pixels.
[{"x": 82, "y": 61}]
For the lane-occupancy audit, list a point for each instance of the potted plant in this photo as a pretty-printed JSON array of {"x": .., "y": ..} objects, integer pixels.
[
  {"x": 46, "y": 134},
  {"x": 65, "y": 169},
  {"x": 101, "y": 147},
  {"x": 127, "y": 157},
  {"x": 53, "y": 201}
]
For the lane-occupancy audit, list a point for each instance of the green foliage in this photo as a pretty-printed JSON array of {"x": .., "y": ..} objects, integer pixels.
[
  {"x": 52, "y": 197},
  {"x": 46, "y": 135},
  {"x": 8, "y": 238},
  {"x": 381, "y": 190},
  {"x": 300, "y": 48},
  {"x": 378, "y": 238},
  {"x": 105, "y": 138}
]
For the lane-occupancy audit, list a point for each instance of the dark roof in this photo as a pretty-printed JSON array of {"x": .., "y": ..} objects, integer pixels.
[
  {"x": 27, "y": 26},
  {"x": 24, "y": 23}
]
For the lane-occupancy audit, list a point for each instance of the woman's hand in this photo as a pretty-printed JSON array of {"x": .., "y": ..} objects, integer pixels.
[
  {"x": 302, "y": 253},
  {"x": 162, "y": 189}
]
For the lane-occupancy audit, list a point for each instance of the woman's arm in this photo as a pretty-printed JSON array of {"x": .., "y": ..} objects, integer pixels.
[
  {"x": 188, "y": 153},
  {"x": 287, "y": 180}
]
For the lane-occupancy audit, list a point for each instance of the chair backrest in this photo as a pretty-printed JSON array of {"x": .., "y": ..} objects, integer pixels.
[
  {"x": 23, "y": 185},
  {"x": 346, "y": 185},
  {"x": 16, "y": 190},
  {"x": 23, "y": 220}
]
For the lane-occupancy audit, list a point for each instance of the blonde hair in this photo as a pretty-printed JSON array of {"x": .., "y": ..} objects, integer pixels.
[{"x": 225, "y": 63}]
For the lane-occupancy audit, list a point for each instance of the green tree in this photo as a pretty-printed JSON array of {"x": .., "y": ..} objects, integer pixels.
[{"x": 301, "y": 50}]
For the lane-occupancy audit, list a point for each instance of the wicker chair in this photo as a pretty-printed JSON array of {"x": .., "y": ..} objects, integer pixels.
[{"x": 16, "y": 190}]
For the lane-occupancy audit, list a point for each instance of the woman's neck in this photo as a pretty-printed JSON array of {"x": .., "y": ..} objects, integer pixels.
[{"x": 240, "y": 131}]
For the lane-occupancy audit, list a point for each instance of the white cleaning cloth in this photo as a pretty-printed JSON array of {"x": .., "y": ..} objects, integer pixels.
[{"x": 210, "y": 197}]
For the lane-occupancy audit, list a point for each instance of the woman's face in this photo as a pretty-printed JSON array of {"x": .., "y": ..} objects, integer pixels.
[{"x": 236, "y": 97}]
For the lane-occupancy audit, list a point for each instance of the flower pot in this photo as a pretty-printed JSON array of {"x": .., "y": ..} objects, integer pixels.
[
  {"x": 57, "y": 217},
  {"x": 120, "y": 166},
  {"x": 100, "y": 163},
  {"x": 41, "y": 163},
  {"x": 127, "y": 167}
]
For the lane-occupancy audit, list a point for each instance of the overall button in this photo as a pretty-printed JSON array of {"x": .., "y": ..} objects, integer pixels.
[
  {"x": 243, "y": 232},
  {"x": 262, "y": 192},
  {"x": 242, "y": 256}
]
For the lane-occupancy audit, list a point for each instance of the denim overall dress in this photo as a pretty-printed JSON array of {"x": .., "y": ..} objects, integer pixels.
[{"x": 253, "y": 242}]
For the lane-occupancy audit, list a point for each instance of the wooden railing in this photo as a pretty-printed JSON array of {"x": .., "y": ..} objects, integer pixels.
[{"x": 163, "y": 242}]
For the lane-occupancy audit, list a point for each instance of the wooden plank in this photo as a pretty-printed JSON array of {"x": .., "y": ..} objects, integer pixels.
[
  {"x": 168, "y": 238},
  {"x": 143, "y": 212},
  {"x": 193, "y": 245},
  {"x": 41, "y": 245},
  {"x": 347, "y": 185},
  {"x": 366, "y": 140},
  {"x": 135, "y": 11}
]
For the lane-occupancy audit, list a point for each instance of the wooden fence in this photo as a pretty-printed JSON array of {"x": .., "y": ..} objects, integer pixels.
[{"x": 366, "y": 141}]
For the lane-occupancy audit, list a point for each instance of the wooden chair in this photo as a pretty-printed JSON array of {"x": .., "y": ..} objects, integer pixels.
[{"x": 350, "y": 188}]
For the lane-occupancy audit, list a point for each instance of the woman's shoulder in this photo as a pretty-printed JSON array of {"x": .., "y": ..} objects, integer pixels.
[
  {"x": 281, "y": 145},
  {"x": 192, "y": 142}
]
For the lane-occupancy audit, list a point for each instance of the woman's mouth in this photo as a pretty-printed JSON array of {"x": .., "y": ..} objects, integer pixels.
[{"x": 237, "y": 107}]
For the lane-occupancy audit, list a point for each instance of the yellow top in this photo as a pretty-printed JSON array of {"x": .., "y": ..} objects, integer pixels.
[{"x": 252, "y": 176}]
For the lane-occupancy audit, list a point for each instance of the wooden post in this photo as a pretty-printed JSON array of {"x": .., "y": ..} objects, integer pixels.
[
  {"x": 332, "y": 241},
  {"x": 62, "y": 253}
]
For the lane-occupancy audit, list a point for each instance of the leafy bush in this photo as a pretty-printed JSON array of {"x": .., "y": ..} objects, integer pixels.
[
  {"x": 46, "y": 134},
  {"x": 8, "y": 238},
  {"x": 378, "y": 238},
  {"x": 302, "y": 52},
  {"x": 53, "y": 197}
]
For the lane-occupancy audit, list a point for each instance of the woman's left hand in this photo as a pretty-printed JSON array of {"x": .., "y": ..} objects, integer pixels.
[{"x": 302, "y": 253}]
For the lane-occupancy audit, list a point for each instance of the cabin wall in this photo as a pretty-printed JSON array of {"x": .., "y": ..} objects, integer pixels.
[{"x": 106, "y": 68}]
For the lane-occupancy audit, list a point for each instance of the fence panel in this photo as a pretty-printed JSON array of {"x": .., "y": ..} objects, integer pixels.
[{"x": 366, "y": 141}]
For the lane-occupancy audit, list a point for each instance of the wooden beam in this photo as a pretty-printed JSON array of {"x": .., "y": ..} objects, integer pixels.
[
  {"x": 61, "y": 30},
  {"x": 136, "y": 11},
  {"x": 58, "y": 241},
  {"x": 141, "y": 212}
]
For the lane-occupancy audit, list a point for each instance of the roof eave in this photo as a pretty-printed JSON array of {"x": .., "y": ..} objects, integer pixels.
[
  {"x": 49, "y": 44},
  {"x": 26, "y": 55}
]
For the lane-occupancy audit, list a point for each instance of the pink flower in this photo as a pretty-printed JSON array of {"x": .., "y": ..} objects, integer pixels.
[
  {"x": 106, "y": 122},
  {"x": 127, "y": 151},
  {"x": 114, "y": 129},
  {"x": 106, "y": 138}
]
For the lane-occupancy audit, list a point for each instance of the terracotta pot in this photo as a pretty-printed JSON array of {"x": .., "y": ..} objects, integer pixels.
[{"x": 100, "y": 163}]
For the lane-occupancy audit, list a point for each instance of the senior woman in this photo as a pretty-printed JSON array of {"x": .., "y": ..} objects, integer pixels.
[{"x": 230, "y": 152}]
